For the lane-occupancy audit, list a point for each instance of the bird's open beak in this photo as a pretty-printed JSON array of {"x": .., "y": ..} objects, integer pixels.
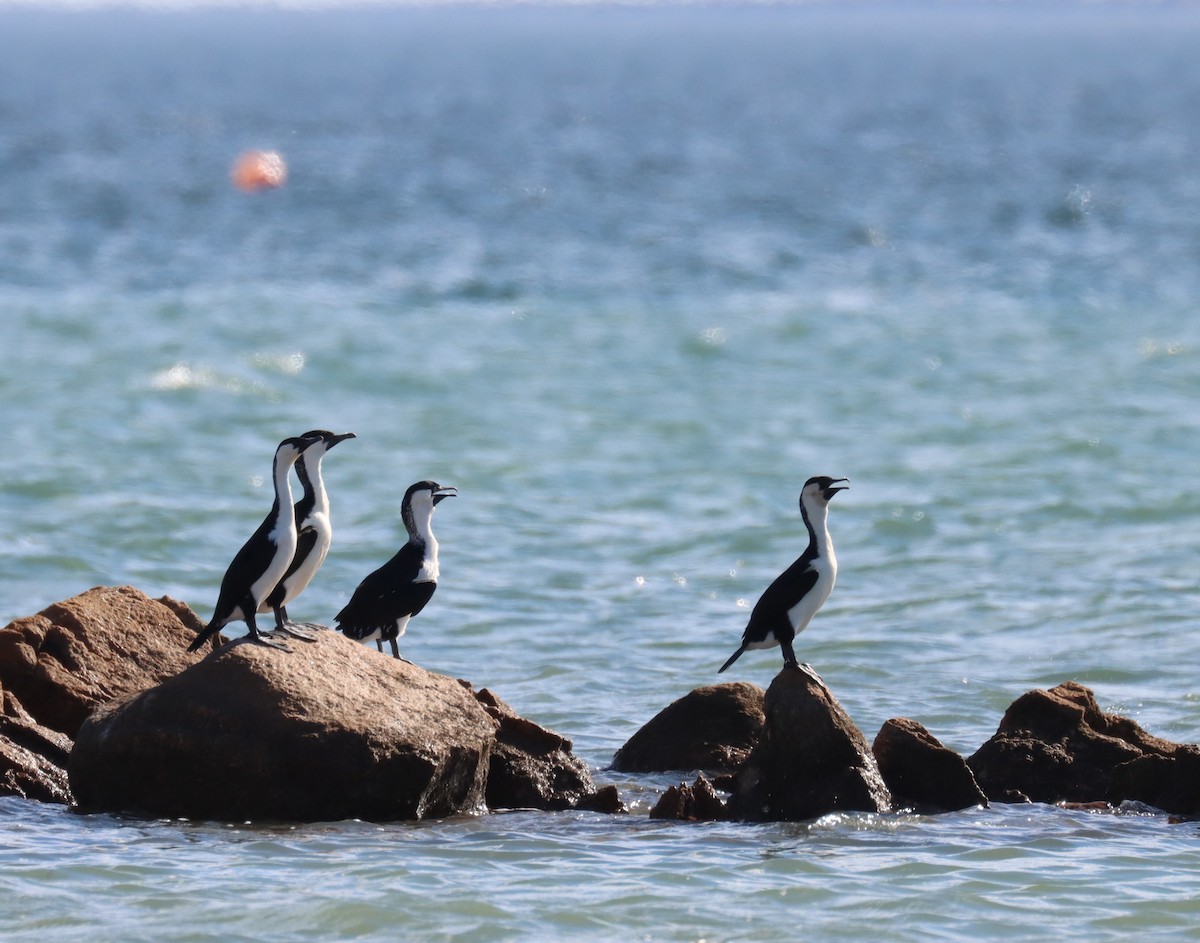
[
  {"x": 446, "y": 492},
  {"x": 834, "y": 488}
]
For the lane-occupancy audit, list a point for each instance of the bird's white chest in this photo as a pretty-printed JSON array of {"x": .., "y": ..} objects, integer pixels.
[
  {"x": 429, "y": 571},
  {"x": 284, "y": 538},
  {"x": 806, "y": 607}
]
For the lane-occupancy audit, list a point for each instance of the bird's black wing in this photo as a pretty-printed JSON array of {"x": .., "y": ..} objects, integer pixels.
[
  {"x": 770, "y": 613},
  {"x": 303, "y": 508},
  {"x": 386, "y": 595},
  {"x": 248, "y": 565}
]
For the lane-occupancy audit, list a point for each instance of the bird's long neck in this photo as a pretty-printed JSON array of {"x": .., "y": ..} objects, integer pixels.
[
  {"x": 283, "y": 485},
  {"x": 816, "y": 519},
  {"x": 419, "y": 524},
  {"x": 314, "y": 485}
]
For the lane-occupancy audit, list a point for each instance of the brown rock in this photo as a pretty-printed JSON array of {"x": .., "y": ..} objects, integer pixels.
[
  {"x": 810, "y": 760},
  {"x": 326, "y": 731},
  {"x": 33, "y": 758},
  {"x": 533, "y": 768},
  {"x": 77, "y": 655},
  {"x": 920, "y": 771},
  {"x": 695, "y": 803},
  {"x": 1058, "y": 746},
  {"x": 1170, "y": 783},
  {"x": 711, "y": 728}
]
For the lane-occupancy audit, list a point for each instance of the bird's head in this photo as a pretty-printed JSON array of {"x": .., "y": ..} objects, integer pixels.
[
  {"x": 326, "y": 439},
  {"x": 822, "y": 488},
  {"x": 291, "y": 449},
  {"x": 427, "y": 492}
]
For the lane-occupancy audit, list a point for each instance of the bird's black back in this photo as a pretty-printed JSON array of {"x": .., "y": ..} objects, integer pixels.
[{"x": 387, "y": 594}]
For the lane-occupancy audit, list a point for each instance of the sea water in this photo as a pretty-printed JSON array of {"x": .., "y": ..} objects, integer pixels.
[{"x": 625, "y": 277}]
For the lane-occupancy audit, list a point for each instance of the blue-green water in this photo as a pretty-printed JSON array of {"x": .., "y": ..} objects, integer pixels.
[{"x": 626, "y": 278}]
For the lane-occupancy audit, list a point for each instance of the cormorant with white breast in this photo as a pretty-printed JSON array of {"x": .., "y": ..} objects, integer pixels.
[
  {"x": 314, "y": 531},
  {"x": 383, "y": 603},
  {"x": 790, "y": 602},
  {"x": 264, "y": 558}
]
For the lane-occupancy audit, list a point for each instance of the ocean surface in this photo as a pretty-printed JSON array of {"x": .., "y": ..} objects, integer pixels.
[{"x": 625, "y": 277}]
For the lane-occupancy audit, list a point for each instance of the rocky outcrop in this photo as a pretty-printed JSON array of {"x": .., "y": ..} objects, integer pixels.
[
  {"x": 533, "y": 768},
  {"x": 711, "y": 728},
  {"x": 321, "y": 732},
  {"x": 1058, "y": 746},
  {"x": 921, "y": 772},
  {"x": 326, "y": 730},
  {"x": 810, "y": 760},
  {"x": 332, "y": 730}
]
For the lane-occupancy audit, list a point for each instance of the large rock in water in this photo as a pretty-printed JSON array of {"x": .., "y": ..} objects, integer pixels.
[
  {"x": 58, "y": 666},
  {"x": 711, "y": 728},
  {"x": 99, "y": 650},
  {"x": 810, "y": 760},
  {"x": 1058, "y": 746},
  {"x": 921, "y": 771},
  {"x": 325, "y": 731}
]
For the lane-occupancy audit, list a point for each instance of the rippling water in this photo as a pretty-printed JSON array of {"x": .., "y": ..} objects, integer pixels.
[{"x": 626, "y": 278}]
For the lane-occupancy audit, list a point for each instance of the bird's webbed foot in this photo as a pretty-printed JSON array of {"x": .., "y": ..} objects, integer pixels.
[
  {"x": 271, "y": 641},
  {"x": 306, "y": 631},
  {"x": 805, "y": 669}
]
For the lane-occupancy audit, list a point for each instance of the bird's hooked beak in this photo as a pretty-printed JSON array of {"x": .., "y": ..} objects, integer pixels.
[
  {"x": 444, "y": 492},
  {"x": 335, "y": 439},
  {"x": 833, "y": 487}
]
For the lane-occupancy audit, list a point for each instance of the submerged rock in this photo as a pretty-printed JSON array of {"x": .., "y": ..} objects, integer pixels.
[
  {"x": 922, "y": 772},
  {"x": 325, "y": 731},
  {"x": 698, "y": 802},
  {"x": 711, "y": 728},
  {"x": 810, "y": 760},
  {"x": 1058, "y": 746}
]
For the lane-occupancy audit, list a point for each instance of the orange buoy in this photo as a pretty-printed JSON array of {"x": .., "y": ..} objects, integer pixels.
[{"x": 258, "y": 170}]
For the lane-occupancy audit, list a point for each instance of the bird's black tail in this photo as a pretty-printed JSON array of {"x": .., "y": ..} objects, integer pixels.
[
  {"x": 732, "y": 658},
  {"x": 209, "y": 631}
]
